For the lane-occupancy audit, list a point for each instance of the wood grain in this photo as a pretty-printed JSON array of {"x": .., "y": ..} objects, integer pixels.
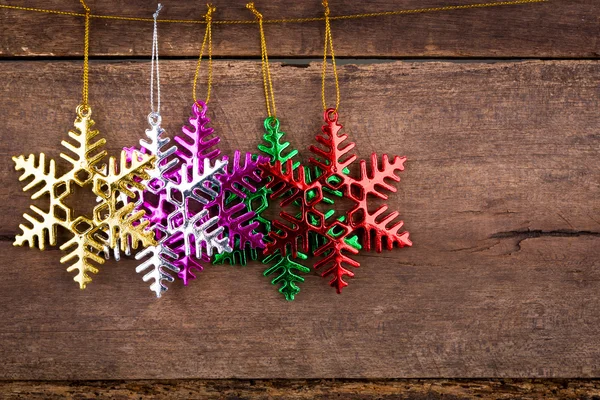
[
  {"x": 500, "y": 196},
  {"x": 557, "y": 29},
  {"x": 424, "y": 389}
]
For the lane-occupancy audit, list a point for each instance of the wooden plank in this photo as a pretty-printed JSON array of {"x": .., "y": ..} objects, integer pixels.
[
  {"x": 500, "y": 196},
  {"x": 423, "y": 389},
  {"x": 556, "y": 29}
]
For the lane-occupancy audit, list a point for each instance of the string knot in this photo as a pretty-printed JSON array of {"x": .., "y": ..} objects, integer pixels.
[
  {"x": 155, "y": 15},
  {"x": 326, "y": 5},
  {"x": 250, "y": 6},
  {"x": 209, "y": 12}
]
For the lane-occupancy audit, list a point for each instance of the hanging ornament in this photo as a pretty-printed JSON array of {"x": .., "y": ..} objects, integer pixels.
[
  {"x": 291, "y": 236},
  {"x": 284, "y": 271},
  {"x": 190, "y": 206},
  {"x": 233, "y": 181},
  {"x": 158, "y": 260},
  {"x": 113, "y": 221}
]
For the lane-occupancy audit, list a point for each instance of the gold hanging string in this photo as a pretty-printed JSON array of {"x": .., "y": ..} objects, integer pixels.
[
  {"x": 266, "y": 70},
  {"x": 207, "y": 38},
  {"x": 329, "y": 46},
  {"x": 86, "y": 55},
  {"x": 286, "y": 20}
]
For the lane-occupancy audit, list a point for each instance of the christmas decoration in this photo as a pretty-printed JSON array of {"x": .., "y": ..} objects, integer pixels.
[
  {"x": 188, "y": 206},
  {"x": 112, "y": 222},
  {"x": 292, "y": 186},
  {"x": 258, "y": 202},
  {"x": 153, "y": 202},
  {"x": 333, "y": 238},
  {"x": 157, "y": 266},
  {"x": 285, "y": 270},
  {"x": 237, "y": 178}
]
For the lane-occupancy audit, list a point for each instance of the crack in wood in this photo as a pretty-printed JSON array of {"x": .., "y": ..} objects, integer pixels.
[{"x": 521, "y": 235}]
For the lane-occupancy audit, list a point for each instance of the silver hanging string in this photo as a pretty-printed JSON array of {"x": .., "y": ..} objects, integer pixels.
[{"x": 154, "y": 66}]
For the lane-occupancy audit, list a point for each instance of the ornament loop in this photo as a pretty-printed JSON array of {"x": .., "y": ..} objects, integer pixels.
[
  {"x": 330, "y": 115},
  {"x": 271, "y": 123},
  {"x": 154, "y": 119},
  {"x": 84, "y": 111},
  {"x": 200, "y": 107}
]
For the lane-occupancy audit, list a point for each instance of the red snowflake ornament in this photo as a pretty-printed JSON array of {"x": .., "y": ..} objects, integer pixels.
[{"x": 377, "y": 229}]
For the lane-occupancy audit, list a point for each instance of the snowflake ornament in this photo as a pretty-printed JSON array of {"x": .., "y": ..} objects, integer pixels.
[
  {"x": 286, "y": 272},
  {"x": 197, "y": 229},
  {"x": 291, "y": 235},
  {"x": 112, "y": 222},
  {"x": 185, "y": 201},
  {"x": 158, "y": 260}
]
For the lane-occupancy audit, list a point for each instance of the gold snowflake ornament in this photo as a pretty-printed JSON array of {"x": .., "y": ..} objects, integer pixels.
[{"x": 112, "y": 221}]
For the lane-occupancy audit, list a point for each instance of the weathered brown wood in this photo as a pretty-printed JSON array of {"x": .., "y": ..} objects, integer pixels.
[
  {"x": 558, "y": 29},
  {"x": 500, "y": 196},
  {"x": 424, "y": 389}
]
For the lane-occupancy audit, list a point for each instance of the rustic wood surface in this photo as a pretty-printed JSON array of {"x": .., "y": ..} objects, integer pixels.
[
  {"x": 557, "y": 29},
  {"x": 499, "y": 194},
  {"x": 423, "y": 389}
]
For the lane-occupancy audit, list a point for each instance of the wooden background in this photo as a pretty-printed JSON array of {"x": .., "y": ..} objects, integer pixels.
[{"x": 497, "y": 111}]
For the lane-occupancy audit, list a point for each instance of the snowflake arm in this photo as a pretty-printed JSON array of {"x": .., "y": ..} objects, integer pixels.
[
  {"x": 378, "y": 225},
  {"x": 287, "y": 273},
  {"x": 129, "y": 175},
  {"x": 196, "y": 142},
  {"x": 165, "y": 161},
  {"x": 157, "y": 265},
  {"x": 37, "y": 171},
  {"x": 43, "y": 224},
  {"x": 86, "y": 154},
  {"x": 333, "y": 157},
  {"x": 83, "y": 250},
  {"x": 275, "y": 147},
  {"x": 199, "y": 185},
  {"x": 335, "y": 262}
]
